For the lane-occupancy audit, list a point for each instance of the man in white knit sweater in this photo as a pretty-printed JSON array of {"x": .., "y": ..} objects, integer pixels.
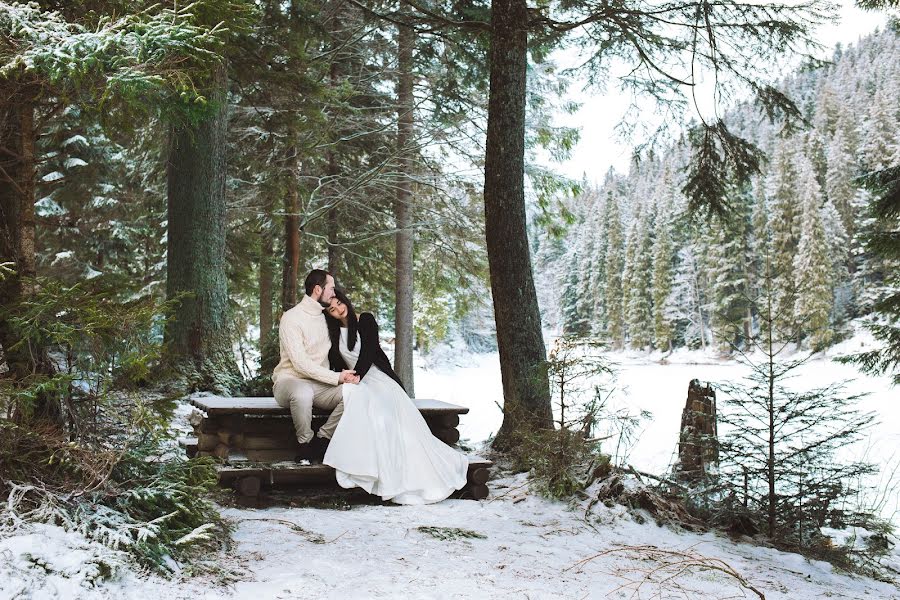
[{"x": 302, "y": 378}]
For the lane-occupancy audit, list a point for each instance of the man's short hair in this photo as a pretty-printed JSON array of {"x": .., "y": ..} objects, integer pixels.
[{"x": 315, "y": 277}]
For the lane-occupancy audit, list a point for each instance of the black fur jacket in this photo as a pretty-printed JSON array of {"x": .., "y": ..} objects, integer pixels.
[{"x": 370, "y": 352}]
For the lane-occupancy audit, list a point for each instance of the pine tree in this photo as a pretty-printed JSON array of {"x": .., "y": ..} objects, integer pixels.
[
  {"x": 879, "y": 127},
  {"x": 785, "y": 223},
  {"x": 636, "y": 283},
  {"x": 837, "y": 242},
  {"x": 685, "y": 304},
  {"x": 597, "y": 279},
  {"x": 812, "y": 264},
  {"x": 615, "y": 266},
  {"x": 729, "y": 262},
  {"x": 661, "y": 283},
  {"x": 839, "y": 186}
]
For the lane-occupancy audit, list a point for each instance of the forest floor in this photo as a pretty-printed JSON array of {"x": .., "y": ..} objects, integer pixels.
[{"x": 515, "y": 544}]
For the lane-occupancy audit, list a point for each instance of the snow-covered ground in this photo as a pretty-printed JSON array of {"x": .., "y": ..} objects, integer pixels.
[
  {"x": 646, "y": 382},
  {"x": 528, "y": 547}
]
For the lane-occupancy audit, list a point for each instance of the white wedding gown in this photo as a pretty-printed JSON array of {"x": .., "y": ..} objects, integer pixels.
[{"x": 383, "y": 445}]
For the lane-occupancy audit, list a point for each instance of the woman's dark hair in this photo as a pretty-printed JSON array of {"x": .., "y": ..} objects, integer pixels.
[{"x": 334, "y": 326}]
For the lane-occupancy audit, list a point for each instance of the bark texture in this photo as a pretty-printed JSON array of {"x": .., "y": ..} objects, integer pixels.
[
  {"x": 266, "y": 276},
  {"x": 199, "y": 337},
  {"x": 17, "y": 245},
  {"x": 403, "y": 286},
  {"x": 523, "y": 356},
  {"x": 289, "y": 297}
]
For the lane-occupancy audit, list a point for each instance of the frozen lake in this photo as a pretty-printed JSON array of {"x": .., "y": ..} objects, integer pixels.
[{"x": 661, "y": 389}]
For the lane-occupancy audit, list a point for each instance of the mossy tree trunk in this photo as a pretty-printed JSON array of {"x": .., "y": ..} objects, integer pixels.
[
  {"x": 199, "y": 337},
  {"x": 17, "y": 243},
  {"x": 403, "y": 263},
  {"x": 523, "y": 358}
]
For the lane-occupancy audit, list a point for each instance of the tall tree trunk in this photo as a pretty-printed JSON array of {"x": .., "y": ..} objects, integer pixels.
[
  {"x": 523, "y": 359},
  {"x": 332, "y": 169},
  {"x": 333, "y": 224},
  {"x": 266, "y": 275},
  {"x": 199, "y": 336},
  {"x": 17, "y": 246},
  {"x": 289, "y": 297},
  {"x": 403, "y": 271}
]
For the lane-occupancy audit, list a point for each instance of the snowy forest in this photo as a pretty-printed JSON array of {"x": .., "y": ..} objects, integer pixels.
[
  {"x": 242, "y": 241},
  {"x": 637, "y": 271}
]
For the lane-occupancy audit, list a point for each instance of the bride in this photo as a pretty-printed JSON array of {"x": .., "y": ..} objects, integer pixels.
[{"x": 382, "y": 444}]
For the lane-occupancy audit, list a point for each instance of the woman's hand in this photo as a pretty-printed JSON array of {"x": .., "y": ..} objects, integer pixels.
[{"x": 348, "y": 376}]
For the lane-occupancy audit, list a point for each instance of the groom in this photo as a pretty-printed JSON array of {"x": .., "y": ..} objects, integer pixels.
[{"x": 302, "y": 378}]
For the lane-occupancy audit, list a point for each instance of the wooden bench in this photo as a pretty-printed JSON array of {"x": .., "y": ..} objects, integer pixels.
[{"x": 248, "y": 434}]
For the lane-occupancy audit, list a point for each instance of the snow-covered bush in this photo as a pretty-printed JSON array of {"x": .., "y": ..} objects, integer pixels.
[{"x": 127, "y": 500}]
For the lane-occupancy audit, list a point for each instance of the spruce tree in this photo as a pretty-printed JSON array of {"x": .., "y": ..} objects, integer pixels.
[
  {"x": 636, "y": 283},
  {"x": 839, "y": 186},
  {"x": 785, "y": 222},
  {"x": 729, "y": 263},
  {"x": 813, "y": 269},
  {"x": 662, "y": 262},
  {"x": 615, "y": 266}
]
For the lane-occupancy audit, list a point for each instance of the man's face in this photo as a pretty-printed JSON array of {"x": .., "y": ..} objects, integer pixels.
[{"x": 327, "y": 292}]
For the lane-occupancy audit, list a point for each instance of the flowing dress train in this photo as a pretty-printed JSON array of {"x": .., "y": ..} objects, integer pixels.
[{"x": 383, "y": 445}]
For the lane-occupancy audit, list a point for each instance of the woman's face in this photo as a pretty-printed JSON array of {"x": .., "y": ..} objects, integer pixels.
[{"x": 337, "y": 309}]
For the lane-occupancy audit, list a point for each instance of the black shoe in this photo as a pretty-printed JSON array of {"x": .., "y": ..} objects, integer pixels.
[
  {"x": 306, "y": 453},
  {"x": 319, "y": 446}
]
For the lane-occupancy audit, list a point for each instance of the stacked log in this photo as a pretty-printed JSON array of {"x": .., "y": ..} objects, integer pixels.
[
  {"x": 246, "y": 433},
  {"x": 244, "y": 437},
  {"x": 272, "y": 439},
  {"x": 444, "y": 428}
]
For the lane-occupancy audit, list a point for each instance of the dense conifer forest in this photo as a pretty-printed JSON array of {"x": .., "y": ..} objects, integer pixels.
[{"x": 640, "y": 272}]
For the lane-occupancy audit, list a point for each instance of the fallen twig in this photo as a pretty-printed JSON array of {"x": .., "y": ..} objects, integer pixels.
[{"x": 672, "y": 564}]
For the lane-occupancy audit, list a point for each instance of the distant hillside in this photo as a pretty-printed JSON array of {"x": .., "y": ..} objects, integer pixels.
[{"x": 637, "y": 271}]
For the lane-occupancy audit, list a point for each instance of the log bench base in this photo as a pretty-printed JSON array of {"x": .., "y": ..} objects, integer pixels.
[
  {"x": 254, "y": 439},
  {"x": 252, "y": 480}
]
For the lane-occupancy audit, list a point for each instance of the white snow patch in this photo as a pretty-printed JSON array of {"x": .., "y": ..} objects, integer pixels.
[
  {"x": 76, "y": 139},
  {"x": 62, "y": 256},
  {"x": 48, "y": 207},
  {"x": 54, "y": 176},
  {"x": 73, "y": 162}
]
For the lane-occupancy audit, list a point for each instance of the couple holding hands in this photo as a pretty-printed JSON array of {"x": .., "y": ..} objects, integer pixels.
[{"x": 375, "y": 437}]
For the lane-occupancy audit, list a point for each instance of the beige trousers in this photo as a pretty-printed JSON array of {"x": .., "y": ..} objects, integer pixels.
[{"x": 301, "y": 395}]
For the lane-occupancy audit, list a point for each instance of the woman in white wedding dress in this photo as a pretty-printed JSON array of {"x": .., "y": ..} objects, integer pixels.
[{"x": 382, "y": 444}]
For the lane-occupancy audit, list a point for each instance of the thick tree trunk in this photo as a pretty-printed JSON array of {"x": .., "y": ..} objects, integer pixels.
[
  {"x": 403, "y": 272},
  {"x": 523, "y": 356},
  {"x": 291, "y": 265},
  {"x": 199, "y": 336},
  {"x": 17, "y": 247}
]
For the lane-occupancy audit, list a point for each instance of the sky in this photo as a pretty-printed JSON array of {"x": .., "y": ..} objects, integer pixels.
[{"x": 601, "y": 148}]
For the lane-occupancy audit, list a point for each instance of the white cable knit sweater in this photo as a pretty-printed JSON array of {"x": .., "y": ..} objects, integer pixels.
[{"x": 304, "y": 343}]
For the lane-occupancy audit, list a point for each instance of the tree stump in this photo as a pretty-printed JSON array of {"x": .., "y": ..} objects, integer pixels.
[{"x": 698, "y": 445}]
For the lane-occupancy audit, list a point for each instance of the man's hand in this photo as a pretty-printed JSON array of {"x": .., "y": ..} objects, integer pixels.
[{"x": 348, "y": 376}]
